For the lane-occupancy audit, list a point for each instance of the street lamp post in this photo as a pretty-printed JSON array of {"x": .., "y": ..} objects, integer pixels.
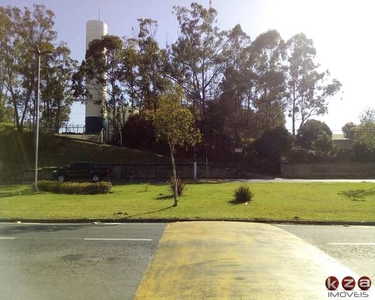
[
  {"x": 39, "y": 54},
  {"x": 206, "y": 162}
]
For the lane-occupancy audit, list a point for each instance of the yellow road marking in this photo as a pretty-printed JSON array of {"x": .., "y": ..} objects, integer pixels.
[{"x": 230, "y": 260}]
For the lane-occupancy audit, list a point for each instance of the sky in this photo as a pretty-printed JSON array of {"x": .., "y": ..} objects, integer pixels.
[{"x": 342, "y": 31}]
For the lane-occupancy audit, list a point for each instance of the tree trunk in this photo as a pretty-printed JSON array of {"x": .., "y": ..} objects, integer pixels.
[
  {"x": 175, "y": 196},
  {"x": 57, "y": 121},
  {"x": 294, "y": 111},
  {"x": 16, "y": 116},
  {"x": 294, "y": 118}
]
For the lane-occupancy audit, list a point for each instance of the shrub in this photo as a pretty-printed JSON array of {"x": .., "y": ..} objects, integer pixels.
[
  {"x": 243, "y": 194},
  {"x": 349, "y": 130},
  {"x": 80, "y": 188},
  {"x": 316, "y": 136},
  {"x": 181, "y": 186},
  {"x": 274, "y": 144}
]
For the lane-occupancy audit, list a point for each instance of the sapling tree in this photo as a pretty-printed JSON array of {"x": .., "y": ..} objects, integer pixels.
[{"x": 175, "y": 124}]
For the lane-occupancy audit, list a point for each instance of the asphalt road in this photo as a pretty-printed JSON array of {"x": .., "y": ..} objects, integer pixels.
[
  {"x": 87, "y": 261},
  {"x": 74, "y": 261},
  {"x": 353, "y": 246}
]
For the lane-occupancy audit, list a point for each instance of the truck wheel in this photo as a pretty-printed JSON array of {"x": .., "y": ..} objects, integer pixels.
[
  {"x": 61, "y": 178},
  {"x": 95, "y": 178}
]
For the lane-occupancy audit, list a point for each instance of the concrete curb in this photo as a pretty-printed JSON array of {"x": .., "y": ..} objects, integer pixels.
[{"x": 266, "y": 221}]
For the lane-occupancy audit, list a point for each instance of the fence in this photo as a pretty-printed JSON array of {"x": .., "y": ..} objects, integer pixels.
[
  {"x": 145, "y": 172},
  {"x": 350, "y": 170},
  {"x": 64, "y": 129},
  {"x": 72, "y": 130}
]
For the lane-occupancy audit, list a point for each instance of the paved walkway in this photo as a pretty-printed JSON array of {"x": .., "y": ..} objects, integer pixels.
[{"x": 229, "y": 260}]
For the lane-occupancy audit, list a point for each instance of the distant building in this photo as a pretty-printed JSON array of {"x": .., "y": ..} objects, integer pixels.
[
  {"x": 95, "y": 114},
  {"x": 343, "y": 143}
]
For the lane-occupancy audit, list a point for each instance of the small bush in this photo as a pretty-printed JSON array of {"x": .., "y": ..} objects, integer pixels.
[
  {"x": 80, "y": 188},
  {"x": 181, "y": 186},
  {"x": 243, "y": 194}
]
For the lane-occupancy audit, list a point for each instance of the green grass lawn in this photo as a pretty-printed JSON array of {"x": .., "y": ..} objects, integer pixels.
[{"x": 278, "y": 201}]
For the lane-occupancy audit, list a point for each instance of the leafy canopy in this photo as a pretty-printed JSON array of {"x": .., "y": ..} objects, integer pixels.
[
  {"x": 175, "y": 123},
  {"x": 315, "y": 135}
]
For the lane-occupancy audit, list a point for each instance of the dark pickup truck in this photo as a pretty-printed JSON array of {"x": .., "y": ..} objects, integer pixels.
[{"x": 81, "y": 171}]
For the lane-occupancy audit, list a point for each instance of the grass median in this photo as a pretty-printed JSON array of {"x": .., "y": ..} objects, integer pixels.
[{"x": 275, "y": 201}]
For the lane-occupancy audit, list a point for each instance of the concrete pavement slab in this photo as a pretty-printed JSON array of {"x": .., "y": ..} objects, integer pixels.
[{"x": 231, "y": 260}]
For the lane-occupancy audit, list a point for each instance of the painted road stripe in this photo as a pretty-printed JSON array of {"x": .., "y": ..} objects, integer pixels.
[
  {"x": 359, "y": 244},
  {"x": 6, "y": 238},
  {"x": 117, "y": 239}
]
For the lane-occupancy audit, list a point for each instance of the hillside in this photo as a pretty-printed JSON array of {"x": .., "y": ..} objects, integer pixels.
[{"x": 17, "y": 152}]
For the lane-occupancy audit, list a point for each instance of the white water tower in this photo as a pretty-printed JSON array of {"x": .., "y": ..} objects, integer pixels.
[{"x": 95, "y": 112}]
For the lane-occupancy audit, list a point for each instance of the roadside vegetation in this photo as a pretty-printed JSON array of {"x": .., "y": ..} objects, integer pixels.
[
  {"x": 78, "y": 188},
  {"x": 275, "y": 201}
]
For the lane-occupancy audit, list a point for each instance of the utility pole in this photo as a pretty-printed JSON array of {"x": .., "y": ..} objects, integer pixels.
[{"x": 39, "y": 54}]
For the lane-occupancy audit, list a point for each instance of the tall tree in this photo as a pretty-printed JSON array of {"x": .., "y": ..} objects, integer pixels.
[
  {"x": 230, "y": 116},
  {"x": 23, "y": 29},
  {"x": 129, "y": 76},
  {"x": 197, "y": 58},
  {"x": 236, "y": 102},
  {"x": 307, "y": 89},
  {"x": 4, "y": 100},
  {"x": 175, "y": 124},
  {"x": 151, "y": 60},
  {"x": 269, "y": 91},
  {"x": 56, "y": 87}
]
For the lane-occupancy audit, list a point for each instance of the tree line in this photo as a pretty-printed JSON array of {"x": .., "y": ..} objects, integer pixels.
[{"x": 236, "y": 88}]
